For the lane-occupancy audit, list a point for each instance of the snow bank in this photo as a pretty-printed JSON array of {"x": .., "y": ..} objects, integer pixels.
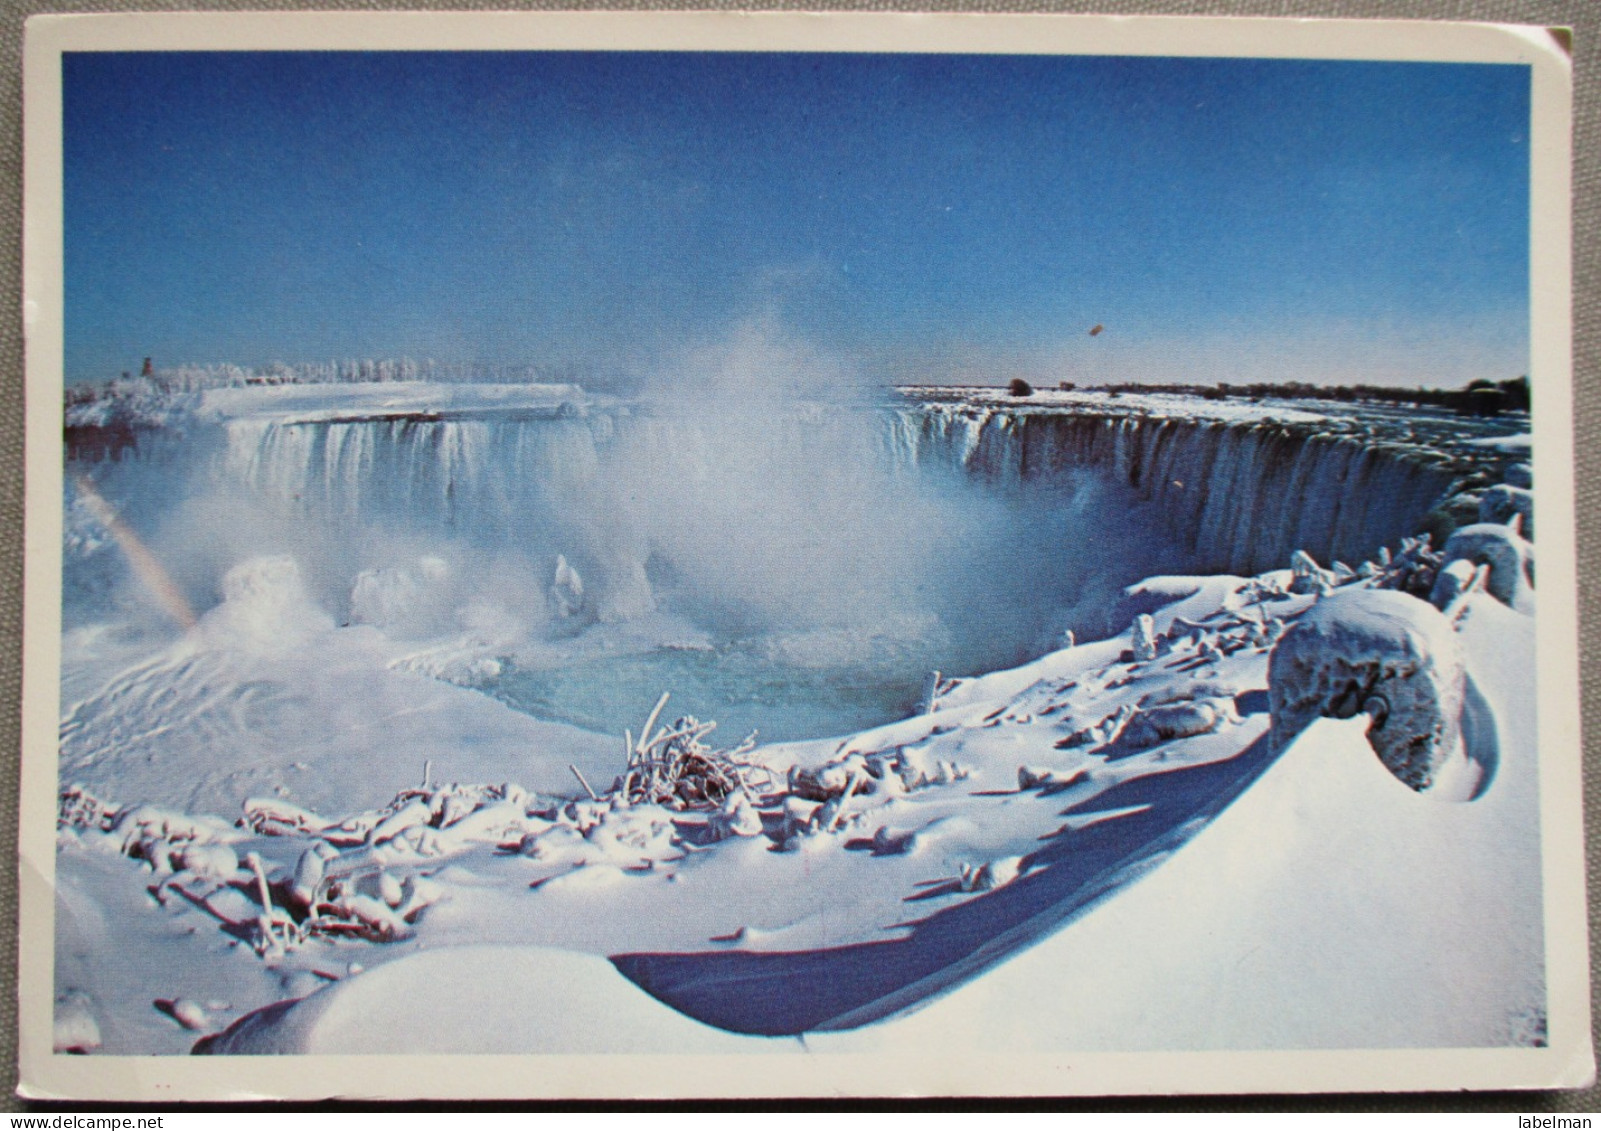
[
  {"x": 1355, "y": 914},
  {"x": 1329, "y": 907},
  {"x": 484, "y": 1001},
  {"x": 380, "y": 400},
  {"x": 267, "y": 698}
]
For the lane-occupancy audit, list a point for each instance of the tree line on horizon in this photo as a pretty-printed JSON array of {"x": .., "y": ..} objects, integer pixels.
[
  {"x": 191, "y": 378},
  {"x": 1480, "y": 397}
]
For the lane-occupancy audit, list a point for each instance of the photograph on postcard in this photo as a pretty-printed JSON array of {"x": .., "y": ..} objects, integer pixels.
[{"x": 798, "y": 552}]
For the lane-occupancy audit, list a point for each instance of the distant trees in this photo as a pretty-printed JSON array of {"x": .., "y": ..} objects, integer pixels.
[
  {"x": 1516, "y": 392},
  {"x": 1020, "y": 388},
  {"x": 190, "y": 378},
  {"x": 1479, "y": 398},
  {"x": 1483, "y": 398}
]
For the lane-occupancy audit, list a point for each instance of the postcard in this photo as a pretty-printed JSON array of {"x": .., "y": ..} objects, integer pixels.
[{"x": 600, "y": 555}]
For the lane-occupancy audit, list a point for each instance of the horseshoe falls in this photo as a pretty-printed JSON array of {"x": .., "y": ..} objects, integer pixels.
[{"x": 795, "y": 570}]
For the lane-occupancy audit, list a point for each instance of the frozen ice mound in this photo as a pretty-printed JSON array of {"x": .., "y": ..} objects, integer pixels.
[
  {"x": 1500, "y": 503},
  {"x": 1379, "y": 652},
  {"x": 402, "y": 600},
  {"x": 264, "y": 607},
  {"x": 1509, "y": 557}
]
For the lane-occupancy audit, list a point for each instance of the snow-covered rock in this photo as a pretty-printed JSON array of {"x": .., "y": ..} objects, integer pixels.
[
  {"x": 1307, "y": 577},
  {"x": 1509, "y": 557},
  {"x": 1454, "y": 579},
  {"x": 1143, "y": 636},
  {"x": 1500, "y": 503},
  {"x": 1156, "y": 725},
  {"x": 1382, "y": 653}
]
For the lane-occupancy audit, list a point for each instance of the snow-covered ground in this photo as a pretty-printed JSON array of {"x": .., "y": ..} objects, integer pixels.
[
  {"x": 375, "y": 400},
  {"x": 381, "y": 400},
  {"x": 1160, "y": 404},
  {"x": 283, "y": 834}
]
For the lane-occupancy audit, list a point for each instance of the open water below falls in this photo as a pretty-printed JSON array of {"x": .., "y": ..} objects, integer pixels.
[{"x": 738, "y": 684}]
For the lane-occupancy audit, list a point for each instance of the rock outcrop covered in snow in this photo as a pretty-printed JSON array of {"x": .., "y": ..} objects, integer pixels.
[
  {"x": 1507, "y": 557},
  {"x": 1381, "y": 653},
  {"x": 1501, "y": 502}
]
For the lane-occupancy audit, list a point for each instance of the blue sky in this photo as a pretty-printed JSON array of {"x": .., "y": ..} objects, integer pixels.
[{"x": 948, "y": 217}]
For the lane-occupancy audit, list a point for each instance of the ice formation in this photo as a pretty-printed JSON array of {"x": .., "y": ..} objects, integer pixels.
[
  {"x": 1384, "y": 654},
  {"x": 1501, "y": 502},
  {"x": 1508, "y": 558},
  {"x": 566, "y": 589}
]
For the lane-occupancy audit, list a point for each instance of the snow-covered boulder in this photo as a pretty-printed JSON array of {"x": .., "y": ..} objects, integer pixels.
[
  {"x": 1307, "y": 577},
  {"x": 1379, "y": 652},
  {"x": 1499, "y": 504},
  {"x": 1461, "y": 509},
  {"x": 1453, "y": 581},
  {"x": 1510, "y": 558},
  {"x": 1143, "y": 636},
  {"x": 1519, "y": 475},
  {"x": 1156, "y": 725}
]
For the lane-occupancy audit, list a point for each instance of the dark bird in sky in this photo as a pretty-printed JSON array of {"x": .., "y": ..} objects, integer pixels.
[{"x": 1096, "y": 329}]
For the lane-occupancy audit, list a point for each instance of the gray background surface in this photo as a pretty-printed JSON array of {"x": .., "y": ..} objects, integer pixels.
[{"x": 1583, "y": 16}]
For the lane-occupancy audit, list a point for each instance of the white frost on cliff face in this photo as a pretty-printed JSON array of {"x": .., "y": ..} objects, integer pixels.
[{"x": 1382, "y": 653}]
